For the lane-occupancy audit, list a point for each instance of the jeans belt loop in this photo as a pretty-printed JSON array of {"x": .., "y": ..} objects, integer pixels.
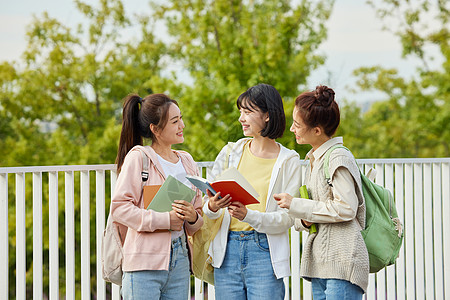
[{"x": 257, "y": 236}]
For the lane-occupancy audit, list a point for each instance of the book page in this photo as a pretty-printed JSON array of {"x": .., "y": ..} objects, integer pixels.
[
  {"x": 201, "y": 183},
  {"x": 233, "y": 174}
]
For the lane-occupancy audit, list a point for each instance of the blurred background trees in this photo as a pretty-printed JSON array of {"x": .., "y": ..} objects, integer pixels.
[
  {"x": 61, "y": 103},
  {"x": 228, "y": 46},
  {"x": 414, "y": 120},
  {"x": 64, "y": 97}
]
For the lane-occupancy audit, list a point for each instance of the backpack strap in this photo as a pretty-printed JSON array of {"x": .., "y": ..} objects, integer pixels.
[
  {"x": 144, "y": 172},
  {"x": 326, "y": 163}
]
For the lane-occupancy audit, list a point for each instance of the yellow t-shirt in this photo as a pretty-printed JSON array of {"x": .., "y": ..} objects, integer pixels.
[{"x": 257, "y": 171}]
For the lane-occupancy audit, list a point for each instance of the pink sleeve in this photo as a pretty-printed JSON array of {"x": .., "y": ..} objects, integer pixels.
[{"x": 127, "y": 195}]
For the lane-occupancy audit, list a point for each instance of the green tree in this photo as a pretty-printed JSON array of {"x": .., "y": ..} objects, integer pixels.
[
  {"x": 414, "y": 120},
  {"x": 228, "y": 46},
  {"x": 352, "y": 127},
  {"x": 61, "y": 103},
  {"x": 70, "y": 88}
]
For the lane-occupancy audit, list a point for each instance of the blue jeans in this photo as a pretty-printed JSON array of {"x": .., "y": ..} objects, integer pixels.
[
  {"x": 246, "y": 271},
  {"x": 335, "y": 289},
  {"x": 161, "y": 284}
]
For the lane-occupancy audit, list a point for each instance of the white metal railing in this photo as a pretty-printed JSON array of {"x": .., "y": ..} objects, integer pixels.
[{"x": 421, "y": 188}]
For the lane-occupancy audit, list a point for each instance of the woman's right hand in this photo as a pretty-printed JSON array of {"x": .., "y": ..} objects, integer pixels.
[
  {"x": 214, "y": 203},
  {"x": 175, "y": 222},
  {"x": 283, "y": 200}
]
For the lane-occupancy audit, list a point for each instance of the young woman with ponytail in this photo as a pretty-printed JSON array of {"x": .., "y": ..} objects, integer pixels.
[
  {"x": 334, "y": 257},
  {"x": 156, "y": 251}
]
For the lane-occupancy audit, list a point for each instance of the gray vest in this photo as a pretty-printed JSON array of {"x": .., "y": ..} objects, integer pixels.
[{"x": 337, "y": 250}]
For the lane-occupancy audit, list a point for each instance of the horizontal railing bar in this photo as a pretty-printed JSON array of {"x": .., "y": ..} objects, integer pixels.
[
  {"x": 403, "y": 160},
  {"x": 72, "y": 168},
  {"x": 206, "y": 164},
  {"x": 61, "y": 168}
]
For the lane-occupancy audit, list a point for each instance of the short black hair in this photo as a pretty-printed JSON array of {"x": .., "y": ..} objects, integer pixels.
[{"x": 266, "y": 98}]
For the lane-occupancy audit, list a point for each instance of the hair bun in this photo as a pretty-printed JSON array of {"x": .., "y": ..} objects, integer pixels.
[{"x": 324, "y": 95}]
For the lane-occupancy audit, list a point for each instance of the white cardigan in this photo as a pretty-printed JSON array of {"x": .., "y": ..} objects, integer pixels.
[{"x": 275, "y": 221}]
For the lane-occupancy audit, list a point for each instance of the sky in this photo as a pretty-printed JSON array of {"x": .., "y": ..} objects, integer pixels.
[{"x": 355, "y": 39}]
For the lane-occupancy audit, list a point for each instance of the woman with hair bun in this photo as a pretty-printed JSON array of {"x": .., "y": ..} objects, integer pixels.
[
  {"x": 335, "y": 257},
  {"x": 155, "y": 247}
]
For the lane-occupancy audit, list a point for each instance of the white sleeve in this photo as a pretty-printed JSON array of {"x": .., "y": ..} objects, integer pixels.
[
  {"x": 216, "y": 170},
  {"x": 342, "y": 207}
]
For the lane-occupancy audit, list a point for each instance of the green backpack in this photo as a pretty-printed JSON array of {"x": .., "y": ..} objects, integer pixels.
[{"x": 383, "y": 233}]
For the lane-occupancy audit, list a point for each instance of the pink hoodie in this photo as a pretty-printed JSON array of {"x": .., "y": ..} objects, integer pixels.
[{"x": 146, "y": 246}]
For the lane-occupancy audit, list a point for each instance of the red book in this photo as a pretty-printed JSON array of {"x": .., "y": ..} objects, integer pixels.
[
  {"x": 237, "y": 192},
  {"x": 232, "y": 182}
]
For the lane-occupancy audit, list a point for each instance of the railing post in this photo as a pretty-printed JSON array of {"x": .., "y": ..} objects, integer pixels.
[
  {"x": 70, "y": 234},
  {"x": 429, "y": 236},
  {"x": 199, "y": 291},
  {"x": 4, "y": 237},
  {"x": 418, "y": 231},
  {"x": 53, "y": 209},
  {"x": 446, "y": 226},
  {"x": 100, "y": 226},
  {"x": 400, "y": 203},
  {"x": 295, "y": 263},
  {"x": 211, "y": 292},
  {"x": 85, "y": 237},
  {"x": 307, "y": 288},
  {"x": 115, "y": 288},
  {"x": 381, "y": 275},
  {"x": 438, "y": 261},
  {"x": 37, "y": 236},
  {"x": 390, "y": 271},
  {"x": 409, "y": 233},
  {"x": 20, "y": 237}
]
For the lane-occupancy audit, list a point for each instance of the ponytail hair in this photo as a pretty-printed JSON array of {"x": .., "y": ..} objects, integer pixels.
[
  {"x": 319, "y": 108},
  {"x": 138, "y": 114}
]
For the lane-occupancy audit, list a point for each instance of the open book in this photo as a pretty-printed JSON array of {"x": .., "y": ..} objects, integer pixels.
[
  {"x": 171, "y": 190},
  {"x": 232, "y": 182}
]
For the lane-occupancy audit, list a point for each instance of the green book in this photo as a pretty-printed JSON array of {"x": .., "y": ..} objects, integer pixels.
[
  {"x": 304, "y": 194},
  {"x": 171, "y": 190}
]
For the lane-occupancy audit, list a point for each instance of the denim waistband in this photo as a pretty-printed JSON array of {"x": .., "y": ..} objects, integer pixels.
[
  {"x": 245, "y": 235},
  {"x": 179, "y": 241}
]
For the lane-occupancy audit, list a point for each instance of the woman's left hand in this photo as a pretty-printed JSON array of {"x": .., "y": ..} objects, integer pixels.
[
  {"x": 237, "y": 210},
  {"x": 185, "y": 211}
]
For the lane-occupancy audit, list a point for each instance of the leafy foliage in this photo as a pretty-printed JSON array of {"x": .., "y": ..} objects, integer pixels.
[
  {"x": 228, "y": 46},
  {"x": 413, "y": 121},
  {"x": 61, "y": 103}
]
